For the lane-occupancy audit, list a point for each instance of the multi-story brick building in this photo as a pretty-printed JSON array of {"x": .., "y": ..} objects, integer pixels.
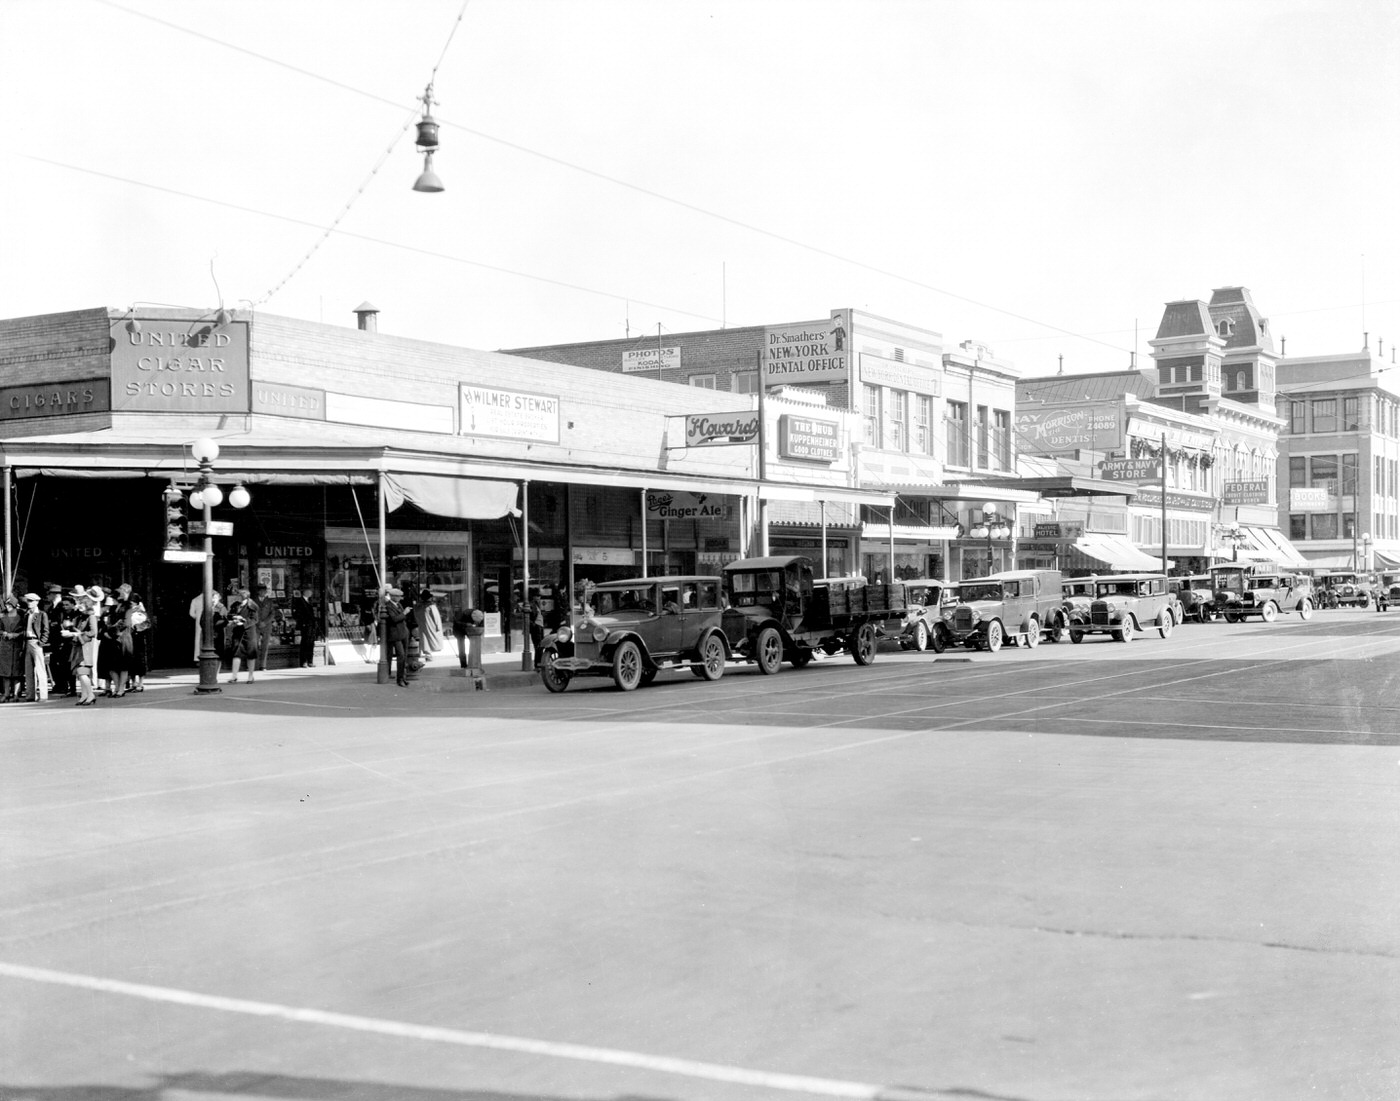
[{"x": 1339, "y": 458}]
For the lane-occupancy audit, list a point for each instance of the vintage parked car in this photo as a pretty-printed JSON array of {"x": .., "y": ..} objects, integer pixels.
[
  {"x": 1194, "y": 594},
  {"x": 1014, "y": 606},
  {"x": 1244, "y": 589},
  {"x": 1346, "y": 589},
  {"x": 778, "y": 612},
  {"x": 1123, "y": 605},
  {"x": 633, "y": 629},
  {"x": 1387, "y": 590},
  {"x": 928, "y": 603}
]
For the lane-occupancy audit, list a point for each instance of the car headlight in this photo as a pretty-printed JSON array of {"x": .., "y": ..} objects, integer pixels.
[
  {"x": 564, "y": 634},
  {"x": 599, "y": 632}
]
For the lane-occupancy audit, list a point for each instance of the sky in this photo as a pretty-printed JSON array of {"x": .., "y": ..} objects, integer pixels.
[{"x": 1040, "y": 176}]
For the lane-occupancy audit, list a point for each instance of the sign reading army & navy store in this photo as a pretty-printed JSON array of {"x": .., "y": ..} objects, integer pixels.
[{"x": 170, "y": 366}]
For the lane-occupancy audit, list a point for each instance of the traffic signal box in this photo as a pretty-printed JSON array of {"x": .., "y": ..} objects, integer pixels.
[{"x": 177, "y": 526}]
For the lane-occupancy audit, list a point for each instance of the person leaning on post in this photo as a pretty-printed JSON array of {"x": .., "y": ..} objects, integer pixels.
[{"x": 396, "y": 633}]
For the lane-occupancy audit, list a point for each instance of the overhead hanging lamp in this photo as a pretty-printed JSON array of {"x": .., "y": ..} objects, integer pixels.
[{"x": 427, "y": 142}]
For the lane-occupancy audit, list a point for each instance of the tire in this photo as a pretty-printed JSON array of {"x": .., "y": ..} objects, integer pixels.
[
  {"x": 801, "y": 657},
  {"x": 1232, "y": 617},
  {"x": 1033, "y": 633},
  {"x": 1269, "y": 611},
  {"x": 1076, "y": 636},
  {"x": 768, "y": 651},
  {"x": 555, "y": 679},
  {"x": 937, "y": 642},
  {"x": 1305, "y": 609},
  {"x": 1125, "y": 632},
  {"x": 1059, "y": 632},
  {"x": 711, "y": 665},
  {"x": 627, "y": 666},
  {"x": 1165, "y": 622},
  {"x": 920, "y": 642},
  {"x": 864, "y": 644},
  {"x": 996, "y": 635}
]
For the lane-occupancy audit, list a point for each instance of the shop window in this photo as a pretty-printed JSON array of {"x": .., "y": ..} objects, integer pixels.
[
  {"x": 704, "y": 382},
  {"x": 744, "y": 382},
  {"x": 1297, "y": 417},
  {"x": 1324, "y": 415},
  {"x": 1324, "y": 472},
  {"x": 923, "y": 424},
  {"x": 955, "y": 423},
  {"x": 1351, "y": 414},
  {"x": 983, "y": 438},
  {"x": 871, "y": 410},
  {"x": 1002, "y": 439},
  {"x": 1348, "y": 525},
  {"x": 1348, "y": 475},
  {"x": 896, "y": 417},
  {"x": 1297, "y": 526},
  {"x": 1324, "y": 525}
]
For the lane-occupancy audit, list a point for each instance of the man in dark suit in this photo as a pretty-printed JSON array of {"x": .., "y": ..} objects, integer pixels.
[
  {"x": 396, "y": 633},
  {"x": 36, "y": 637},
  {"x": 304, "y": 612}
]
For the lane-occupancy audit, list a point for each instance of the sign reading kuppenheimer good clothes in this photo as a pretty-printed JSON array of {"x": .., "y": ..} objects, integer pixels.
[
  {"x": 180, "y": 366},
  {"x": 813, "y": 351},
  {"x": 703, "y": 429},
  {"x": 807, "y": 438},
  {"x": 508, "y": 414}
]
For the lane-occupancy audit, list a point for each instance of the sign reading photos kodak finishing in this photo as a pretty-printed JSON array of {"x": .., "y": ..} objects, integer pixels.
[{"x": 813, "y": 351}]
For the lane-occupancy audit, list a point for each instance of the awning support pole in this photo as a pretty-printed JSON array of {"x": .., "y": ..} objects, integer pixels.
[
  {"x": 643, "y": 498},
  {"x": 1164, "y": 500},
  {"x": 527, "y": 660},
  {"x": 825, "y": 570},
  {"x": 381, "y": 675},
  {"x": 9, "y": 565}
]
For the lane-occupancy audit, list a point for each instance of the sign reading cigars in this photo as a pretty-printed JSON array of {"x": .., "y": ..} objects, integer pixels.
[{"x": 702, "y": 429}]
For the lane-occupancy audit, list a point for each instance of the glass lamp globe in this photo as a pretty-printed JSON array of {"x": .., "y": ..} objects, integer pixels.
[
  {"x": 213, "y": 496},
  {"x": 204, "y": 450},
  {"x": 196, "y": 499},
  {"x": 239, "y": 497}
]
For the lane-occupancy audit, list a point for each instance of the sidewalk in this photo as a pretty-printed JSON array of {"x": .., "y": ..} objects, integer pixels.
[{"x": 442, "y": 674}]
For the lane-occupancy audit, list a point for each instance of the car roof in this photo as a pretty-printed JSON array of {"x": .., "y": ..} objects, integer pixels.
[
  {"x": 771, "y": 562},
  {"x": 928, "y": 581},
  {"x": 1119, "y": 577}
]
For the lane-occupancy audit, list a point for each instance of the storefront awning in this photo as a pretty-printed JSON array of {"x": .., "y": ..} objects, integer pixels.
[
  {"x": 1074, "y": 485},
  {"x": 1263, "y": 545},
  {"x": 462, "y": 498},
  {"x": 1118, "y": 554},
  {"x": 1385, "y": 561}
]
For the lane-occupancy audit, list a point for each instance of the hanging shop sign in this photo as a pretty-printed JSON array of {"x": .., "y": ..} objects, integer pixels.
[
  {"x": 666, "y": 505},
  {"x": 1059, "y": 531},
  {"x": 898, "y": 375},
  {"x": 640, "y": 360},
  {"x": 813, "y": 351},
  {"x": 55, "y": 399},
  {"x": 808, "y": 439},
  {"x": 1311, "y": 499},
  {"x": 180, "y": 366},
  {"x": 1152, "y": 496},
  {"x": 508, "y": 414},
  {"x": 1131, "y": 470},
  {"x": 1068, "y": 428},
  {"x": 704, "y": 429},
  {"x": 1245, "y": 493},
  {"x": 604, "y": 556}
]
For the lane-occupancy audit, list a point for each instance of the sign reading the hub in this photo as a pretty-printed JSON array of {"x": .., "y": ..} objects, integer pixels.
[
  {"x": 509, "y": 414},
  {"x": 815, "y": 351},
  {"x": 720, "y": 428},
  {"x": 179, "y": 366},
  {"x": 808, "y": 439},
  {"x": 666, "y": 505}
]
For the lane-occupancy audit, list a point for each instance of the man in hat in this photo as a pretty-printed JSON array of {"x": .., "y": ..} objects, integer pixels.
[
  {"x": 59, "y": 608},
  {"x": 36, "y": 637},
  {"x": 396, "y": 633}
]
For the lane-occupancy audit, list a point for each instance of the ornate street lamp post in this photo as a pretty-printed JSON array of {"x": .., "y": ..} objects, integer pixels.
[
  {"x": 205, "y": 496},
  {"x": 991, "y": 527}
]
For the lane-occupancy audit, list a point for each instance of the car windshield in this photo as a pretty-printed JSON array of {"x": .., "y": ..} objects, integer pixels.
[
  {"x": 1228, "y": 579},
  {"x": 756, "y": 587},
  {"x": 981, "y": 590},
  {"x": 1117, "y": 588},
  {"x": 622, "y": 601}
]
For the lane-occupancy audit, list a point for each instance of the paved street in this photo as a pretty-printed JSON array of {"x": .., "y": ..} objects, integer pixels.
[{"x": 1150, "y": 871}]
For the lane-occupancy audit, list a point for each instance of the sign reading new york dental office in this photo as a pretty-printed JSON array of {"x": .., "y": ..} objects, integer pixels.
[
  {"x": 508, "y": 414},
  {"x": 703, "y": 429},
  {"x": 814, "y": 351},
  {"x": 808, "y": 439},
  {"x": 669, "y": 505},
  {"x": 180, "y": 366}
]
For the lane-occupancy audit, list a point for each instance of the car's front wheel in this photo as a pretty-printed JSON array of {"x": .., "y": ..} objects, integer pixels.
[
  {"x": 1305, "y": 609},
  {"x": 1033, "y": 632},
  {"x": 627, "y": 665},
  {"x": 937, "y": 641},
  {"x": 768, "y": 650},
  {"x": 920, "y": 640},
  {"x": 1124, "y": 633},
  {"x": 996, "y": 635},
  {"x": 711, "y": 665},
  {"x": 555, "y": 679},
  {"x": 1269, "y": 611}
]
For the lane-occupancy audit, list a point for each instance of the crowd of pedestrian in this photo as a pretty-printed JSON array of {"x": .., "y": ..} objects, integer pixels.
[{"x": 68, "y": 642}]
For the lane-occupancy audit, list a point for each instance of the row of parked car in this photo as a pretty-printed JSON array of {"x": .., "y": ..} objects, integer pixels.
[{"x": 772, "y": 610}]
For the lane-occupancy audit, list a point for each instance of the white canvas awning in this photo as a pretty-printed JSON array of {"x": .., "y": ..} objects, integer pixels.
[{"x": 1118, "y": 554}]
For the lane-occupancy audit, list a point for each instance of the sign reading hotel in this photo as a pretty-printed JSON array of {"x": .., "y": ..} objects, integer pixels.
[
  {"x": 55, "y": 399},
  {"x": 898, "y": 375},
  {"x": 703, "y": 429},
  {"x": 637, "y": 360},
  {"x": 666, "y": 505},
  {"x": 508, "y": 414},
  {"x": 1245, "y": 493},
  {"x": 1131, "y": 470},
  {"x": 1068, "y": 428},
  {"x": 815, "y": 351},
  {"x": 808, "y": 439},
  {"x": 1059, "y": 531},
  {"x": 170, "y": 366}
]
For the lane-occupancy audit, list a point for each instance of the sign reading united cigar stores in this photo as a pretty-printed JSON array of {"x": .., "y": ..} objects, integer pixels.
[
  {"x": 702, "y": 429},
  {"x": 180, "y": 366}
]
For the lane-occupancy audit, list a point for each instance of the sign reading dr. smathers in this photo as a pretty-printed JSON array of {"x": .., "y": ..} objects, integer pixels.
[
  {"x": 814, "y": 351},
  {"x": 508, "y": 414}
]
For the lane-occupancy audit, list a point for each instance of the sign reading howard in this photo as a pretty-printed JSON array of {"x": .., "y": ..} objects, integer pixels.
[{"x": 721, "y": 428}]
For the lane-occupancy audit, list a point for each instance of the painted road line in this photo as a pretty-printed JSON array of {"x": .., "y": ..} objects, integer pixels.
[{"x": 687, "y": 1068}]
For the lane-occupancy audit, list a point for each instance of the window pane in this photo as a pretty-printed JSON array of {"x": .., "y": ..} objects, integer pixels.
[{"x": 1324, "y": 412}]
